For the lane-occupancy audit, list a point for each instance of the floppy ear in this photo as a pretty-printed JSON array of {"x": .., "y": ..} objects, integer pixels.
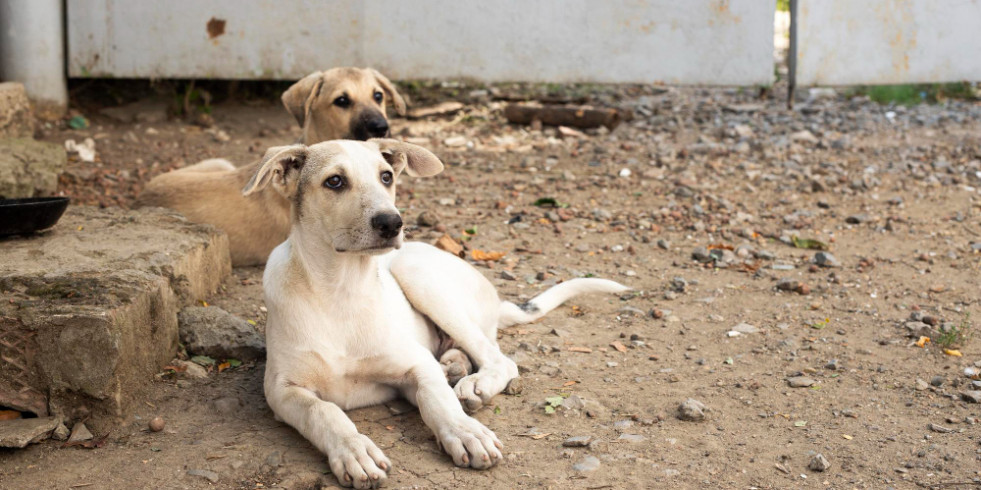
[
  {"x": 390, "y": 90},
  {"x": 415, "y": 160},
  {"x": 279, "y": 165},
  {"x": 299, "y": 97}
]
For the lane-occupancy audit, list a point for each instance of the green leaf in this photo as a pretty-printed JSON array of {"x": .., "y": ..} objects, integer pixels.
[
  {"x": 471, "y": 231},
  {"x": 808, "y": 243},
  {"x": 728, "y": 361},
  {"x": 549, "y": 409},
  {"x": 203, "y": 361},
  {"x": 554, "y": 401},
  {"x": 78, "y": 122},
  {"x": 234, "y": 362},
  {"x": 800, "y": 423},
  {"x": 497, "y": 410},
  {"x": 251, "y": 322}
]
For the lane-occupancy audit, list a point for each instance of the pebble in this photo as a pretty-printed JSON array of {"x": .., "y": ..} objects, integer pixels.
[
  {"x": 514, "y": 387},
  {"x": 937, "y": 381},
  {"x": 832, "y": 365},
  {"x": 922, "y": 385},
  {"x": 856, "y": 219},
  {"x": 825, "y": 259},
  {"x": 634, "y": 438},
  {"x": 972, "y": 396},
  {"x": 80, "y": 433},
  {"x": 800, "y": 382},
  {"x": 156, "y": 424},
  {"x": 701, "y": 254},
  {"x": 692, "y": 410},
  {"x": 206, "y": 474},
  {"x": 587, "y": 464},
  {"x": 819, "y": 463},
  {"x": 428, "y": 218},
  {"x": 61, "y": 432},
  {"x": 745, "y": 328},
  {"x": 508, "y": 275},
  {"x": 577, "y": 441},
  {"x": 664, "y": 244}
]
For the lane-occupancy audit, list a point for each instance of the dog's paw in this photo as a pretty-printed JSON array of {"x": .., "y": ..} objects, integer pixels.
[
  {"x": 477, "y": 389},
  {"x": 470, "y": 443},
  {"x": 357, "y": 462},
  {"x": 456, "y": 365}
]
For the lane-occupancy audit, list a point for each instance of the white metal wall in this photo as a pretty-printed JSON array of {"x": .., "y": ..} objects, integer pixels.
[
  {"x": 726, "y": 42},
  {"x": 843, "y": 42}
]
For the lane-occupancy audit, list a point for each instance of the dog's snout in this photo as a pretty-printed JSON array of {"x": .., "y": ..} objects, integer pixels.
[
  {"x": 388, "y": 225},
  {"x": 377, "y": 127}
]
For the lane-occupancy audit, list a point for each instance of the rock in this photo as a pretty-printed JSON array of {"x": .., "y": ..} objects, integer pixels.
[
  {"x": 800, "y": 382},
  {"x": 156, "y": 424},
  {"x": 701, "y": 254},
  {"x": 940, "y": 429},
  {"x": 857, "y": 219},
  {"x": 227, "y": 405},
  {"x": 972, "y": 396},
  {"x": 819, "y": 463},
  {"x": 630, "y": 311},
  {"x": 745, "y": 328},
  {"x": 19, "y": 433},
  {"x": 428, "y": 218},
  {"x": 663, "y": 244},
  {"x": 577, "y": 441},
  {"x": 833, "y": 365},
  {"x": 937, "y": 381},
  {"x": 825, "y": 259},
  {"x": 803, "y": 136},
  {"x": 61, "y": 432},
  {"x": 633, "y": 438},
  {"x": 921, "y": 385},
  {"x": 206, "y": 474},
  {"x": 587, "y": 464},
  {"x": 213, "y": 332},
  {"x": 918, "y": 329},
  {"x": 16, "y": 116},
  {"x": 793, "y": 285},
  {"x": 455, "y": 141},
  {"x": 508, "y": 275},
  {"x": 30, "y": 168},
  {"x": 80, "y": 433},
  {"x": 189, "y": 370},
  {"x": 692, "y": 410}
]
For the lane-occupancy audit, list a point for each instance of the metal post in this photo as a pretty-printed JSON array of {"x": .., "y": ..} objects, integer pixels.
[
  {"x": 32, "y": 51},
  {"x": 792, "y": 56}
]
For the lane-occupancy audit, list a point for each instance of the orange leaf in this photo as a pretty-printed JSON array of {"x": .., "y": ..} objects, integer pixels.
[
  {"x": 223, "y": 366},
  {"x": 569, "y": 383},
  {"x": 478, "y": 254},
  {"x": 923, "y": 341},
  {"x": 616, "y": 344},
  {"x": 953, "y": 352},
  {"x": 9, "y": 415}
]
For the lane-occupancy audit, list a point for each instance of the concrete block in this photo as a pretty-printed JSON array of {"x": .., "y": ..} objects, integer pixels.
[
  {"x": 16, "y": 116},
  {"x": 30, "y": 168},
  {"x": 89, "y": 309}
]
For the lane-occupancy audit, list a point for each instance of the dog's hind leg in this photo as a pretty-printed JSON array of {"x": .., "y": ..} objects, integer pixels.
[{"x": 353, "y": 458}]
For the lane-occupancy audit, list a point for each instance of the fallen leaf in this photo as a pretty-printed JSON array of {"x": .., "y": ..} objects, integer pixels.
[
  {"x": 9, "y": 415},
  {"x": 808, "y": 243},
  {"x": 584, "y": 350},
  {"x": 203, "y": 361},
  {"x": 800, "y": 423},
  {"x": 923, "y": 341},
  {"x": 953, "y": 352},
  {"x": 204, "y": 303},
  {"x": 223, "y": 366},
  {"x": 448, "y": 244},
  {"x": 569, "y": 383},
  {"x": 542, "y": 436},
  {"x": 234, "y": 362},
  {"x": 846, "y": 436},
  {"x": 478, "y": 254},
  {"x": 89, "y": 444},
  {"x": 616, "y": 344},
  {"x": 721, "y": 246}
]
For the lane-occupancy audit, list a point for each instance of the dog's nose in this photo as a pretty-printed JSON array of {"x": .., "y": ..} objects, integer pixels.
[
  {"x": 377, "y": 127},
  {"x": 388, "y": 225}
]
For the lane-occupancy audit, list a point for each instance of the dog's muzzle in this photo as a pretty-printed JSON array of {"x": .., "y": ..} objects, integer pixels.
[
  {"x": 387, "y": 225},
  {"x": 370, "y": 125}
]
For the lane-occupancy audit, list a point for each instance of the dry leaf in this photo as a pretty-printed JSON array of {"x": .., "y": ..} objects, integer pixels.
[
  {"x": 846, "y": 436},
  {"x": 569, "y": 383},
  {"x": 478, "y": 254},
  {"x": 448, "y": 244},
  {"x": 223, "y": 366},
  {"x": 9, "y": 415},
  {"x": 923, "y": 341},
  {"x": 584, "y": 350},
  {"x": 953, "y": 352},
  {"x": 616, "y": 344}
]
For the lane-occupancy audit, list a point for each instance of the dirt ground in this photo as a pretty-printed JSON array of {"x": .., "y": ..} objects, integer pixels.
[{"x": 693, "y": 203}]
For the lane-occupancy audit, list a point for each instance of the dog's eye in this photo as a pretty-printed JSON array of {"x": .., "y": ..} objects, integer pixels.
[
  {"x": 334, "y": 182},
  {"x": 379, "y": 97},
  {"x": 342, "y": 101},
  {"x": 386, "y": 177}
]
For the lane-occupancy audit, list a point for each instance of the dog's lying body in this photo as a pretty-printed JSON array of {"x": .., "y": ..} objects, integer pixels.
[
  {"x": 340, "y": 103},
  {"x": 356, "y": 319}
]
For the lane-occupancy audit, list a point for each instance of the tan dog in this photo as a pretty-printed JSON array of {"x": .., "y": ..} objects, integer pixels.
[{"x": 340, "y": 103}]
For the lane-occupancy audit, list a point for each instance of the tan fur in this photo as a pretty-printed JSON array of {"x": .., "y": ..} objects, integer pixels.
[{"x": 211, "y": 191}]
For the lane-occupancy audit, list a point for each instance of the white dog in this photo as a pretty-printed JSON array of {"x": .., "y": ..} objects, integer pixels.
[{"x": 357, "y": 319}]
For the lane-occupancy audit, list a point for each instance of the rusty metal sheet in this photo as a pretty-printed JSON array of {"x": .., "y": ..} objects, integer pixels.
[
  {"x": 844, "y": 42},
  {"x": 693, "y": 42}
]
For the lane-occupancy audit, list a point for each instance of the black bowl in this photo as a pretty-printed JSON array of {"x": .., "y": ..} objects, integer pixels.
[{"x": 24, "y": 216}]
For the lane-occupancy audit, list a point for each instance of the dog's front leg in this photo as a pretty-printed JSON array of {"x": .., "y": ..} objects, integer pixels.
[
  {"x": 465, "y": 439},
  {"x": 354, "y": 459}
]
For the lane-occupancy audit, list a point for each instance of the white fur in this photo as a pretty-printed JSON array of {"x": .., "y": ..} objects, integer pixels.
[{"x": 349, "y": 328}]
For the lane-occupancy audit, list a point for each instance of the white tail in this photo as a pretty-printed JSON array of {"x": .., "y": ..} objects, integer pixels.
[{"x": 539, "y": 306}]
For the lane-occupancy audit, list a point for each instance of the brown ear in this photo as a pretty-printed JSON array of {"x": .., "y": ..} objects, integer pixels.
[
  {"x": 415, "y": 160},
  {"x": 299, "y": 97},
  {"x": 279, "y": 165},
  {"x": 393, "y": 94}
]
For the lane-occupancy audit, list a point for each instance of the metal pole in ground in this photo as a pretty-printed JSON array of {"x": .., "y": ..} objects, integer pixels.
[
  {"x": 792, "y": 56},
  {"x": 32, "y": 51}
]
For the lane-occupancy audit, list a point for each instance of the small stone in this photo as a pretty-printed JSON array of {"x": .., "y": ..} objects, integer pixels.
[
  {"x": 972, "y": 396},
  {"x": 745, "y": 328},
  {"x": 587, "y": 464},
  {"x": 800, "y": 382},
  {"x": 833, "y": 365},
  {"x": 819, "y": 463},
  {"x": 921, "y": 385},
  {"x": 212, "y": 331},
  {"x": 937, "y": 381},
  {"x": 918, "y": 329},
  {"x": 857, "y": 219},
  {"x": 508, "y": 275},
  {"x": 206, "y": 474},
  {"x": 514, "y": 387},
  {"x": 577, "y": 441},
  {"x": 61, "y": 432},
  {"x": 80, "y": 433},
  {"x": 156, "y": 424},
  {"x": 692, "y": 410},
  {"x": 428, "y": 218},
  {"x": 701, "y": 254},
  {"x": 189, "y": 370},
  {"x": 939, "y": 428},
  {"x": 664, "y": 244},
  {"x": 634, "y": 438},
  {"x": 825, "y": 259},
  {"x": 630, "y": 311}
]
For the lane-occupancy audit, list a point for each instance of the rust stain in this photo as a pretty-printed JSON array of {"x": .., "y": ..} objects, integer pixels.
[{"x": 216, "y": 27}]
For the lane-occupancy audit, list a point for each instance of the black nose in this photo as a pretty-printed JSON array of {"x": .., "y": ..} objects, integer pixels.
[
  {"x": 377, "y": 127},
  {"x": 388, "y": 225}
]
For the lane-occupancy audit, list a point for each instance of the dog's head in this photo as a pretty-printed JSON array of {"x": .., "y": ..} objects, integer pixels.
[
  {"x": 342, "y": 103},
  {"x": 343, "y": 192}
]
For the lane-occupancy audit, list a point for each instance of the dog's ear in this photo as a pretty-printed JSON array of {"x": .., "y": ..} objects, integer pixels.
[
  {"x": 415, "y": 160},
  {"x": 279, "y": 165},
  {"x": 299, "y": 97},
  {"x": 389, "y": 89}
]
